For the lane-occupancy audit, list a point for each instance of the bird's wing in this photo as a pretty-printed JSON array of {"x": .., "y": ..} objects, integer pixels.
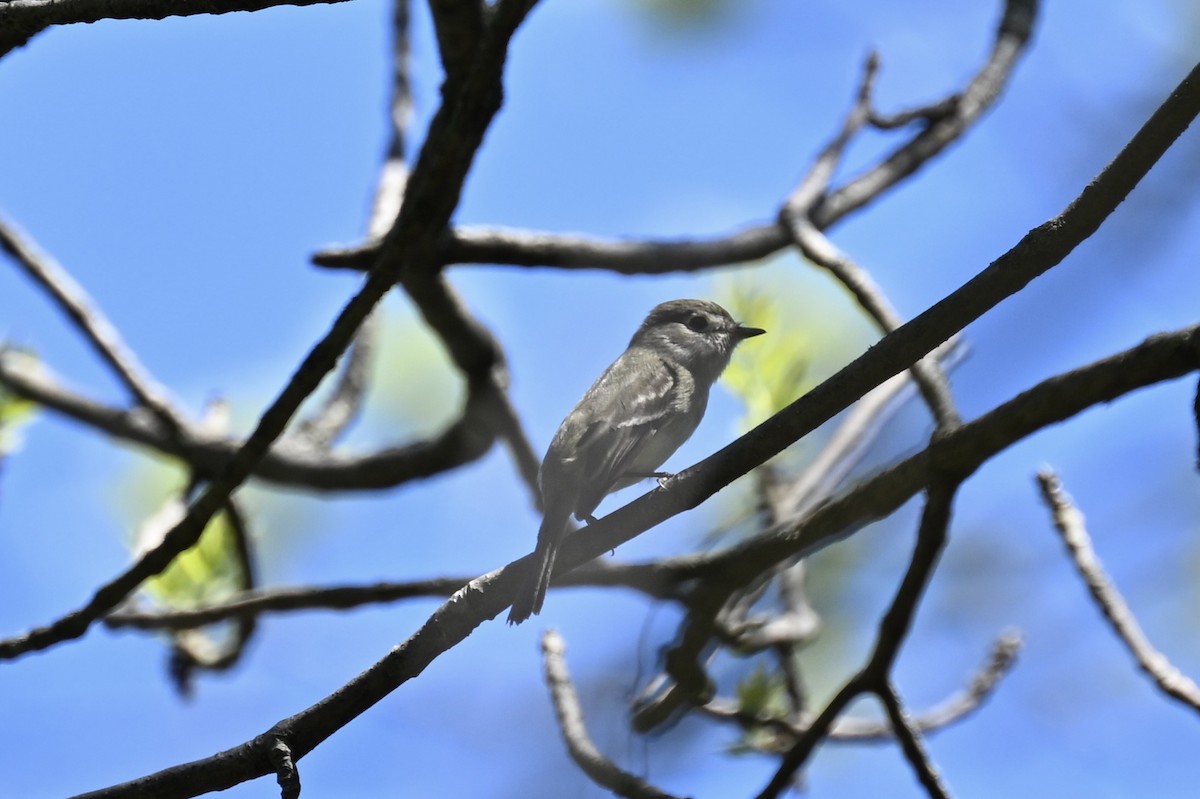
[{"x": 636, "y": 397}]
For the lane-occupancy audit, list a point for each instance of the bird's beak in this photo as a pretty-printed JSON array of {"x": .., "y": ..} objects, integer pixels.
[{"x": 742, "y": 332}]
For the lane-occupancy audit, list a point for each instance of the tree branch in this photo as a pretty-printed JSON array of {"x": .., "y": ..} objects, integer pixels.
[
  {"x": 1070, "y": 525},
  {"x": 454, "y": 137},
  {"x": 1162, "y": 357},
  {"x": 286, "y": 463},
  {"x": 952, "y": 710},
  {"x": 909, "y": 735},
  {"x": 21, "y": 20},
  {"x": 595, "y": 765},
  {"x": 513, "y": 247},
  {"x": 103, "y": 337}
]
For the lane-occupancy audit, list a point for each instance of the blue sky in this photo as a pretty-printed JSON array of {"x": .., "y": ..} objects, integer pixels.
[{"x": 185, "y": 170}]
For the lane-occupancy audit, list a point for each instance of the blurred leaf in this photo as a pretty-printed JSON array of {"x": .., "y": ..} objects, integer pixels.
[
  {"x": 415, "y": 389},
  {"x": 761, "y": 693},
  {"x": 768, "y": 372},
  {"x": 679, "y": 16},
  {"x": 207, "y": 572},
  {"x": 15, "y": 412}
]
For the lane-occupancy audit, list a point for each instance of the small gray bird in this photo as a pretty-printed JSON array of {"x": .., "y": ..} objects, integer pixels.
[{"x": 629, "y": 422}]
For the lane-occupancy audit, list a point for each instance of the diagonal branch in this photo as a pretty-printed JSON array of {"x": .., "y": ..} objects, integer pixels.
[
  {"x": 963, "y": 450},
  {"x": 583, "y": 751},
  {"x": 1070, "y": 525},
  {"x": 951, "y": 710},
  {"x": 1162, "y": 357},
  {"x": 21, "y": 20},
  {"x": 454, "y": 137},
  {"x": 909, "y": 735},
  {"x": 529, "y": 248},
  {"x": 875, "y": 676},
  {"x": 91, "y": 322},
  {"x": 1012, "y": 34}
]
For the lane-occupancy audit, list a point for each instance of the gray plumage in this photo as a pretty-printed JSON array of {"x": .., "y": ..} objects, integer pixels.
[{"x": 634, "y": 417}]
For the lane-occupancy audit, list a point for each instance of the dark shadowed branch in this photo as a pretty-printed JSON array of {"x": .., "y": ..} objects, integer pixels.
[
  {"x": 513, "y": 247},
  {"x": 1160, "y": 358},
  {"x": 848, "y": 729},
  {"x": 469, "y": 104},
  {"x": 20, "y": 20}
]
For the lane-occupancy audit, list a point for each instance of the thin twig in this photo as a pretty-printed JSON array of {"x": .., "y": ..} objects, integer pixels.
[
  {"x": 83, "y": 312},
  {"x": 874, "y": 676},
  {"x": 912, "y": 745},
  {"x": 532, "y": 248},
  {"x": 590, "y": 760},
  {"x": 1012, "y": 35},
  {"x": 344, "y": 402},
  {"x": 1069, "y": 522},
  {"x": 848, "y": 729},
  {"x": 796, "y": 215},
  {"x": 1163, "y": 357},
  {"x": 20, "y": 20},
  {"x": 455, "y": 135},
  {"x": 647, "y": 578},
  {"x": 850, "y": 440},
  {"x": 192, "y": 650}
]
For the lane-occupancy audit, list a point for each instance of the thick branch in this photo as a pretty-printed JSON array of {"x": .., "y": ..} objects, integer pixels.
[
  {"x": 848, "y": 729},
  {"x": 20, "y": 20},
  {"x": 286, "y": 463},
  {"x": 1160, "y": 358},
  {"x": 454, "y": 137},
  {"x": 498, "y": 245}
]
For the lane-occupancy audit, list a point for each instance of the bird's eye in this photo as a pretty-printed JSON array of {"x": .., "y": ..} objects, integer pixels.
[{"x": 698, "y": 323}]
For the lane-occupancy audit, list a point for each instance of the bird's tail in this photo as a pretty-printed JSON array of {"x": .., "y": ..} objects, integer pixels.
[{"x": 532, "y": 592}]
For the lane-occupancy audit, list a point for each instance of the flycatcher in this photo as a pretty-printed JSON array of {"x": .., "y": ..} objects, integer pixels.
[{"x": 644, "y": 406}]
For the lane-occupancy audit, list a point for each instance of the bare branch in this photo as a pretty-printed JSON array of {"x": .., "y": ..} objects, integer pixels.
[
  {"x": 255, "y": 603},
  {"x": 1160, "y": 358},
  {"x": 286, "y": 773},
  {"x": 910, "y": 742},
  {"x": 339, "y": 410},
  {"x": 517, "y": 247},
  {"x": 935, "y": 387},
  {"x": 875, "y": 676},
  {"x": 458, "y": 24},
  {"x": 1013, "y": 33},
  {"x": 848, "y": 729},
  {"x": 599, "y": 768},
  {"x": 342, "y": 406},
  {"x": 454, "y": 137},
  {"x": 192, "y": 650},
  {"x": 648, "y": 578},
  {"x": 1001, "y": 658},
  {"x": 20, "y": 20},
  {"x": 817, "y": 248},
  {"x": 90, "y": 320},
  {"x": 495, "y": 245},
  {"x": 850, "y": 440},
  {"x": 466, "y": 439},
  {"x": 1069, "y": 522}
]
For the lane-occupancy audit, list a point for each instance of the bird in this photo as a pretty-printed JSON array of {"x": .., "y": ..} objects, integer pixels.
[{"x": 638, "y": 412}]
